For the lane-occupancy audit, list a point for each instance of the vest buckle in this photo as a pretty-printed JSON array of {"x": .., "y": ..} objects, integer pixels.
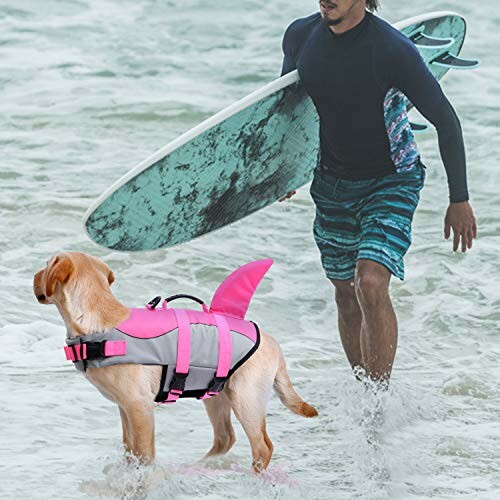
[
  {"x": 178, "y": 382},
  {"x": 216, "y": 385},
  {"x": 95, "y": 350}
]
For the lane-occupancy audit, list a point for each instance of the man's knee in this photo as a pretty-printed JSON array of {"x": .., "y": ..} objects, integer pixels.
[
  {"x": 371, "y": 283},
  {"x": 345, "y": 295}
]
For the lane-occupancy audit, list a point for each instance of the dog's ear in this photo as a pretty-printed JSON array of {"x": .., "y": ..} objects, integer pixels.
[
  {"x": 101, "y": 267},
  {"x": 59, "y": 272}
]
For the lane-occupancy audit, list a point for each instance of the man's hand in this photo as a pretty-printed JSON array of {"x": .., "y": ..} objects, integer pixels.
[
  {"x": 288, "y": 196},
  {"x": 460, "y": 218}
]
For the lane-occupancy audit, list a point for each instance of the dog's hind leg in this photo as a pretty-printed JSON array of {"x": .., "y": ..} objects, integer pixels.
[
  {"x": 219, "y": 413},
  {"x": 249, "y": 406},
  {"x": 255, "y": 429}
]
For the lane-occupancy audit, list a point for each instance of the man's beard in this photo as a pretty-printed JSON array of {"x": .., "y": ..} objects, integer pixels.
[{"x": 332, "y": 22}]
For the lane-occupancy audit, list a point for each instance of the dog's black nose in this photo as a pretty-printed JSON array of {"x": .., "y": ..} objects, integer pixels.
[{"x": 41, "y": 297}]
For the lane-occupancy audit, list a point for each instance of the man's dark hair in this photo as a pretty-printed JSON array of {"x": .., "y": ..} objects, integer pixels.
[{"x": 372, "y": 4}]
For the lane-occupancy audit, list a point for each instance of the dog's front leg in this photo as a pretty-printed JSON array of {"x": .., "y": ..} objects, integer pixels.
[
  {"x": 126, "y": 438},
  {"x": 138, "y": 430}
]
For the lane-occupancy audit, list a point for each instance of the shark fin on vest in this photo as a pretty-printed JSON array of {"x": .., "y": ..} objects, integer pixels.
[{"x": 234, "y": 294}]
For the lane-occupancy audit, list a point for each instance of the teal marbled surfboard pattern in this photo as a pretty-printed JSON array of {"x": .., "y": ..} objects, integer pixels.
[{"x": 237, "y": 167}]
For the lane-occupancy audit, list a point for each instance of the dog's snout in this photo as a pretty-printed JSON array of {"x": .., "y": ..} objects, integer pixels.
[{"x": 41, "y": 297}]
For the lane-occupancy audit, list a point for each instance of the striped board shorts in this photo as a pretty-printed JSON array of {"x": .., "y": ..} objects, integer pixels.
[{"x": 365, "y": 219}]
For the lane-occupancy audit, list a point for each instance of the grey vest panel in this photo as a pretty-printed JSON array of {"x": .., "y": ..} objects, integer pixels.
[{"x": 162, "y": 351}]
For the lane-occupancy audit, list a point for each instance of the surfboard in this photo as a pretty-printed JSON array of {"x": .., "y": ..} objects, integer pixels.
[{"x": 240, "y": 160}]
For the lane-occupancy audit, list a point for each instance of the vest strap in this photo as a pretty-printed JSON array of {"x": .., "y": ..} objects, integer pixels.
[
  {"x": 225, "y": 346},
  {"x": 225, "y": 356},
  {"x": 183, "y": 356},
  {"x": 94, "y": 350}
]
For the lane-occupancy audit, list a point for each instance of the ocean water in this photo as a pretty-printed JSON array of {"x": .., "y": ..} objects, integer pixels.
[{"x": 91, "y": 87}]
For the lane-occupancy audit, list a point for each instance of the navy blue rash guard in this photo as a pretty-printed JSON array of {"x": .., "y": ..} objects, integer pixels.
[{"x": 357, "y": 81}]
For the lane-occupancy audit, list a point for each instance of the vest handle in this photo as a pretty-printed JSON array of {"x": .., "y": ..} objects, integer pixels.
[
  {"x": 185, "y": 296},
  {"x": 153, "y": 303}
]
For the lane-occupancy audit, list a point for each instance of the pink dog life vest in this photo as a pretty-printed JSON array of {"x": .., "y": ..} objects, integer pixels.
[{"x": 198, "y": 350}]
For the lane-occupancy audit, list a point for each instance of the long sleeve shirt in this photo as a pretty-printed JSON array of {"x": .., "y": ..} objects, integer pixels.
[{"x": 360, "y": 82}]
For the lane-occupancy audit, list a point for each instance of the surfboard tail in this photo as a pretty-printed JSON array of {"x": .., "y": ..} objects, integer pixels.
[
  {"x": 418, "y": 127},
  {"x": 423, "y": 41},
  {"x": 450, "y": 61},
  {"x": 234, "y": 294}
]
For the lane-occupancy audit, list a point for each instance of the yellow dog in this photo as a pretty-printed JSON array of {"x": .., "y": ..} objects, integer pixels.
[{"x": 79, "y": 285}]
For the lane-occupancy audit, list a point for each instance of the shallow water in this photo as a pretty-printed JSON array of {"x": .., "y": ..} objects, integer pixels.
[{"x": 90, "y": 88}]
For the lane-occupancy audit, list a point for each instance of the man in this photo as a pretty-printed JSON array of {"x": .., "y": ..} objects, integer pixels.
[{"x": 356, "y": 67}]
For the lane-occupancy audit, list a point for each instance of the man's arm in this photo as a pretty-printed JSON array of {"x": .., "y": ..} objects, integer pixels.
[
  {"x": 289, "y": 63},
  {"x": 415, "y": 80}
]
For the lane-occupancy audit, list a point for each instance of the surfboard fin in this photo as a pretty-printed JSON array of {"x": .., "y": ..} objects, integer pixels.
[
  {"x": 423, "y": 41},
  {"x": 450, "y": 61},
  {"x": 418, "y": 127},
  {"x": 235, "y": 292}
]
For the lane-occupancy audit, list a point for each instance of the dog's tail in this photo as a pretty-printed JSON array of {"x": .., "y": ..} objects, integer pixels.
[{"x": 284, "y": 389}]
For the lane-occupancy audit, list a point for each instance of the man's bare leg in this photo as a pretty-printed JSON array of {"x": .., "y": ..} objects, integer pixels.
[
  {"x": 349, "y": 321},
  {"x": 379, "y": 329}
]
